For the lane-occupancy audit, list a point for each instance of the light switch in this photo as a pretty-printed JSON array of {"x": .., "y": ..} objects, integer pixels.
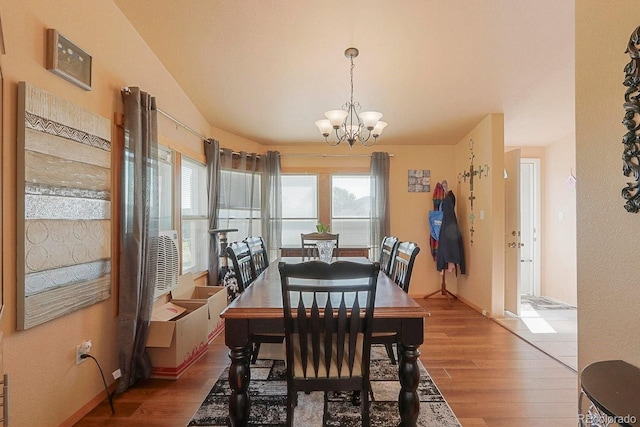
[{"x": 481, "y": 214}]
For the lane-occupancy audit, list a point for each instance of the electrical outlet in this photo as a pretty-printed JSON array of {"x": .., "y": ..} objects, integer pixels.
[
  {"x": 117, "y": 374},
  {"x": 83, "y": 348}
]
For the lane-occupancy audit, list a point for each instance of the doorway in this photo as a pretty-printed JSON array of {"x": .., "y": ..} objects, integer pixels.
[{"x": 548, "y": 324}]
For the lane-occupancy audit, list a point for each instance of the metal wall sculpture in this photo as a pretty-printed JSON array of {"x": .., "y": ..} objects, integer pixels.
[
  {"x": 462, "y": 176},
  {"x": 64, "y": 207},
  {"x": 631, "y": 139}
]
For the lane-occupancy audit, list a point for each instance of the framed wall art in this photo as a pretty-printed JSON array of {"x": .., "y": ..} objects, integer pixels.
[
  {"x": 419, "y": 181},
  {"x": 63, "y": 207},
  {"x": 67, "y": 60}
]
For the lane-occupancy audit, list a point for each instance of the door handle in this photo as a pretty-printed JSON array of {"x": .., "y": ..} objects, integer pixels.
[{"x": 512, "y": 245}]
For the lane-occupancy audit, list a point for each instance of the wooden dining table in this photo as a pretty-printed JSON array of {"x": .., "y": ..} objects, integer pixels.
[{"x": 258, "y": 310}]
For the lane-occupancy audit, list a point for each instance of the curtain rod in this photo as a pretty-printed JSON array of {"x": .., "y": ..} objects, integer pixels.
[
  {"x": 173, "y": 119},
  {"x": 237, "y": 153},
  {"x": 179, "y": 123},
  {"x": 326, "y": 155}
]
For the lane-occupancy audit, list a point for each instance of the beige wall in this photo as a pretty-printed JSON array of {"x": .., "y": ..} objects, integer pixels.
[
  {"x": 559, "y": 277},
  {"x": 47, "y": 387},
  {"x": 483, "y": 285},
  {"x": 608, "y": 244}
]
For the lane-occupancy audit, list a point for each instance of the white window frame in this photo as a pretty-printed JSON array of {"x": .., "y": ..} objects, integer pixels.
[
  {"x": 306, "y": 224},
  {"x": 345, "y": 237},
  {"x": 195, "y": 243}
]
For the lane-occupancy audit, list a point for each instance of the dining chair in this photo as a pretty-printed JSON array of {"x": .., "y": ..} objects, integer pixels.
[
  {"x": 328, "y": 318},
  {"x": 387, "y": 252},
  {"x": 403, "y": 261},
  {"x": 309, "y": 240},
  {"x": 258, "y": 252},
  {"x": 401, "y": 269},
  {"x": 240, "y": 255}
]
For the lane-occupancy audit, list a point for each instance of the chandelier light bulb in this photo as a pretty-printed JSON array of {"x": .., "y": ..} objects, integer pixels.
[
  {"x": 336, "y": 117},
  {"x": 370, "y": 119},
  {"x": 325, "y": 127},
  {"x": 377, "y": 130}
]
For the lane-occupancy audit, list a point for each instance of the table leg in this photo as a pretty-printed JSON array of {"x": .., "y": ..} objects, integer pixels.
[
  {"x": 239, "y": 378},
  {"x": 409, "y": 374}
]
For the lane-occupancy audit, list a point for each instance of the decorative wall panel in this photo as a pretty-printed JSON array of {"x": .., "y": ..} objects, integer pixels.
[
  {"x": 64, "y": 207},
  {"x": 419, "y": 181}
]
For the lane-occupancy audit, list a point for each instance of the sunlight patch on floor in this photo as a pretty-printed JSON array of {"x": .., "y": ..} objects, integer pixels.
[{"x": 533, "y": 321}]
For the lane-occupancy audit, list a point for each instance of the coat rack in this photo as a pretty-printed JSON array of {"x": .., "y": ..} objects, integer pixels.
[
  {"x": 462, "y": 176},
  {"x": 443, "y": 288},
  {"x": 439, "y": 193}
]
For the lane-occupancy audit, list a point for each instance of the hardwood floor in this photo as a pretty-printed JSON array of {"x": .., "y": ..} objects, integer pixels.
[
  {"x": 553, "y": 331},
  {"x": 489, "y": 376}
]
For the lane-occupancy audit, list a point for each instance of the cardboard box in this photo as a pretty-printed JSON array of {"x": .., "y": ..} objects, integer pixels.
[
  {"x": 167, "y": 312},
  {"x": 214, "y": 296},
  {"x": 175, "y": 344}
]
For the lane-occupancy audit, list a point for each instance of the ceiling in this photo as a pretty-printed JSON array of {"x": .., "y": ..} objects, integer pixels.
[{"x": 268, "y": 69}]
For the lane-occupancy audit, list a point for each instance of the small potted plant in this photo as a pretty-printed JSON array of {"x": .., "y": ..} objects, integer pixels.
[{"x": 322, "y": 228}]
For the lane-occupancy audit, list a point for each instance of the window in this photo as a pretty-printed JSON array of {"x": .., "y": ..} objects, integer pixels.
[
  {"x": 165, "y": 188},
  {"x": 350, "y": 208},
  {"x": 299, "y": 207},
  {"x": 343, "y": 201},
  {"x": 239, "y": 205},
  {"x": 195, "y": 221}
]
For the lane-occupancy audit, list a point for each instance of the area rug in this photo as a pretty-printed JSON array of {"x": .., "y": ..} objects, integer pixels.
[
  {"x": 544, "y": 303},
  {"x": 268, "y": 391}
]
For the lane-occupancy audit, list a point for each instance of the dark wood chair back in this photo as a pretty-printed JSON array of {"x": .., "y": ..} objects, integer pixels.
[
  {"x": 258, "y": 252},
  {"x": 387, "y": 252},
  {"x": 328, "y": 328},
  {"x": 309, "y": 240},
  {"x": 240, "y": 256},
  {"x": 403, "y": 260},
  {"x": 249, "y": 259}
]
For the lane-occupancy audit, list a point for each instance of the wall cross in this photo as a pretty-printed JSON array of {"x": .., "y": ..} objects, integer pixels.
[{"x": 462, "y": 176}]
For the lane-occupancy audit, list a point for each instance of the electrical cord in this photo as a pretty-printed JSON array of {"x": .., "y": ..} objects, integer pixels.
[{"x": 106, "y": 388}]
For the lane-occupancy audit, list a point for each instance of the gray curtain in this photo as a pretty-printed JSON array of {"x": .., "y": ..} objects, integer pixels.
[
  {"x": 224, "y": 190},
  {"x": 238, "y": 191},
  {"x": 212, "y": 154},
  {"x": 380, "y": 222},
  {"x": 272, "y": 203},
  {"x": 139, "y": 234},
  {"x": 248, "y": 163}
]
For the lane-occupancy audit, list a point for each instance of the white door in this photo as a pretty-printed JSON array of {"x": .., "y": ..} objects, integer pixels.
[
  {"x": 530, "y": 226},
  {"x": 512, "y": 232}
]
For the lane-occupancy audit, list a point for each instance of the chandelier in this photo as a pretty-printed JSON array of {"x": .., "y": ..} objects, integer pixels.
[{"x": 348, "y": 124}]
